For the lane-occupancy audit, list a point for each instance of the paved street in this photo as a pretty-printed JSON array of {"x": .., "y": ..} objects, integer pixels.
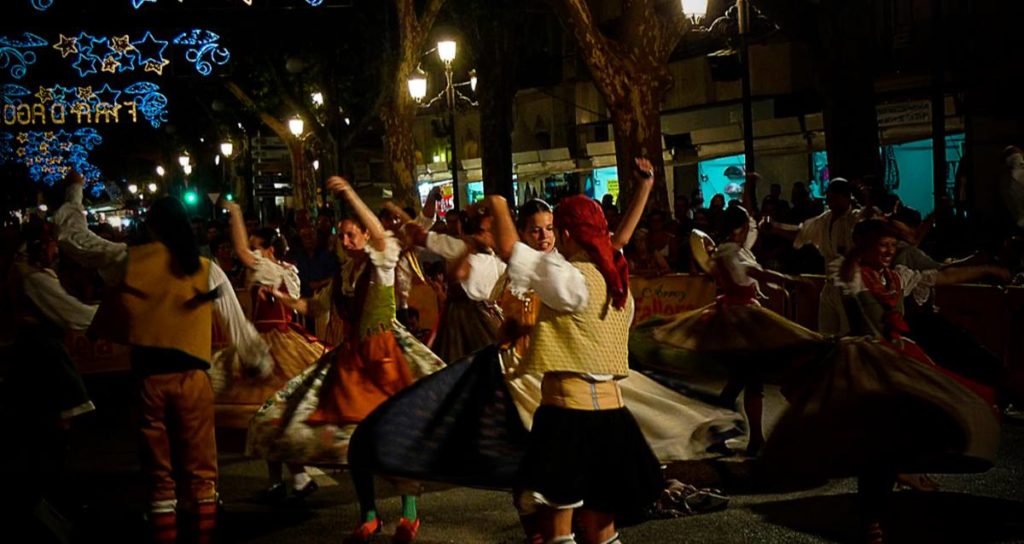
[{"x": 104, "y": 475}]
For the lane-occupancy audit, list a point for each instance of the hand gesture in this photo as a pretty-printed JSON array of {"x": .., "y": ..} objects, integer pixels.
[
  {"x": 338, "y": 185},
  {"x": 231, "y": 206},
  {"x": 434, "y": 194},
  {"x": 644, "y": 169}
]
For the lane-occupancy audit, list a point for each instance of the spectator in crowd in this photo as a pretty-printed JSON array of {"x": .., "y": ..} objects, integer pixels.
[
  {"x": 774, "y": 201},
  {"x": 802, "y": 207}
]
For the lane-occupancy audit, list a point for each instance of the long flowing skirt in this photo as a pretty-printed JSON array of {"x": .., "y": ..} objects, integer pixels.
[
  {"x": 239, "y": 395},
  {"x": 466, "y": 326},
  {"x": 305, "y": 422},
  {"x": 867, "y": 406},
  {"x": 469, "y": 423}
]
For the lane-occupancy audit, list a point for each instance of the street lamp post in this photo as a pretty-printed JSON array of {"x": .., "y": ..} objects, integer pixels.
[
  {"x": 446, "y": 50},
  {"x": 696, "y": 10}
]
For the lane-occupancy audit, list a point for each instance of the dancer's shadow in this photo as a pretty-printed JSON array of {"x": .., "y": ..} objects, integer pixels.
[{"x": 914, "y": 517}]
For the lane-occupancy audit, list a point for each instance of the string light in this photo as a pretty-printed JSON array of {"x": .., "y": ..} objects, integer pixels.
[{"x": 17, "y": 53}]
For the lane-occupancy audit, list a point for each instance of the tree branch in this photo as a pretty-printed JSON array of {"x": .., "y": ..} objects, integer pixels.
[
  {"x": 272, "y": 122},
  {"x": 576, "y": 13},
  {"x": 672, "y": 30}
]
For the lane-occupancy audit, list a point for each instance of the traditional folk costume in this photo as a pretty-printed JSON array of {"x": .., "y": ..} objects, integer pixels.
[
  {"x": 311, "y": 419},
  {"x": 832, "y": 236},
  {"x": 167, "y": 319},
  {"x": 878, "y": 404},
  {"x": 586, "y": 449},
  {"x": 239, "y": 395},
  {"x": 469, "y": 320},
  {"x": 714, "y": 351}
]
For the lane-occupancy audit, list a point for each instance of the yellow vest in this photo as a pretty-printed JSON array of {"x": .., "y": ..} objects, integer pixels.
[
  {"x": 593, "y": 341},
  {"x": 155, "y": 308}
]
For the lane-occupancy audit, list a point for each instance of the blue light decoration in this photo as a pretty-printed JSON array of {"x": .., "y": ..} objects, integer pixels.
[
  {"x": 202, "y": 46},
  {"x": 138, "y": 3},
  {"x": 51, "y": 155},
  {"x": 16, "y": 54},
  {"x": 42, "y": 5},
  {"x": 60, "y": 105},
  {"x": 149, "y": 49},
  {"x": 12, "y": 93}
]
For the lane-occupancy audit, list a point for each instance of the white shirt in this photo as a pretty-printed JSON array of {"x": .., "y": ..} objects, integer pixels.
[
  {"x": 58, "y": 306},
  {"x": 485, "y": 269},
  {"x": 832, "y": 239},
  {"x": 737, "y": 260},
  {"x": 111, "y": 259}
]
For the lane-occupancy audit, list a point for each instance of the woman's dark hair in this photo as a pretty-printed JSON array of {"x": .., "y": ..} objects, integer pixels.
[
  {"x": 472, "y": 223},
  {"x": 865, "y": 233},
  {"x": 531, "y": 208},
  {"x": 272, "y": 240},
  {"x": 169, "y": 223},
  {"x": 733, "y": 217}
]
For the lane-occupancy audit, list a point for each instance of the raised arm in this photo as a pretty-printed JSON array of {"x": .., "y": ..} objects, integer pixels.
[
  {"x": 965, "y": 274},
  {"x": 430, "y": 206},
  {"x": 239, "y": 237},
  {"x": 503, "y": 227},
  {"x": 641, "y": 190},
  {"x": 341, "y": 187}
]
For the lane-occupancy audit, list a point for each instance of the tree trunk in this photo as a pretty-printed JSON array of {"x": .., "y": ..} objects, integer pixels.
[
  {"x": 498, "y": 29},
  {"x": 400, "y": 154},
  {"x": 636, "y": 119},
  {"x": 847, "y": 81}
]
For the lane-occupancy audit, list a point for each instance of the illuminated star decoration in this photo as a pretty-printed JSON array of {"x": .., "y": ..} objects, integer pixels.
[
  {"x": 66, "y": 45},
  {"x": 15, "y": 53},
  {"x": 121, "y": 44},
  {"x": 150, "y": 49},
  {"x": 49, "y": 156},
  {"x": 110, "y": 64},
  {"x": 156, "y": 67},
  {"x": 138, "y": 3},
  {"x": 106, "y": 95},
  {"x": 203, "y": 50},
  {"x": 44, "y": 95}
]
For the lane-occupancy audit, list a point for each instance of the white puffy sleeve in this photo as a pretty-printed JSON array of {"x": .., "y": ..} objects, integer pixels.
[
  {"x": 385, "y": 261},
  {"x": 916, "y": 282},
  {"x": 46, "y": 292},
  {"x": 736, "y": 261},
  {"x": 85, "y": 247},
  {"x": 449, "y": 247},
  {"x": 814, "y": 231},
  {"x": 558, "y": 283},
  {"x": 251, "y": 348}
]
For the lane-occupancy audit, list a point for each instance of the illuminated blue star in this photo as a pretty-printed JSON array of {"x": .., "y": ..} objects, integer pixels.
[
  {"x": 150, "y": 49},
  {"x": 60, "y": 94},
  {"x": 127, "y": 62},
  {"x": 86, "y": 65},
  {"x": 107, "y": 95},
  {"x": 138, "y": 3}
]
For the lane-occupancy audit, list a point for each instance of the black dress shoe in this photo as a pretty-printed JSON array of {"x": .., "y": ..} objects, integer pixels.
[{"x": 274, "y": 494}]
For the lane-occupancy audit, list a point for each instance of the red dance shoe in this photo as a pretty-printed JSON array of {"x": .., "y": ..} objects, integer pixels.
[
  {"x": 364, "y": 532},
  {"x": 406, "y": 531}
]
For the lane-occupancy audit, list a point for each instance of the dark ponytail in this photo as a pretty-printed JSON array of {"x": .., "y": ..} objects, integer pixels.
[{"x": 169, "y": 223}]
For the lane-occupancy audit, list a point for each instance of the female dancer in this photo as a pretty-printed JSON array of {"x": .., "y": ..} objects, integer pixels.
[
  {"x": 878, "y": 406},
  {"x": 311, "y": 420},
  {"x": 469, "y": 320},
  {"x": 292, "y": 348},
  {"x": 733, "y": 340}
]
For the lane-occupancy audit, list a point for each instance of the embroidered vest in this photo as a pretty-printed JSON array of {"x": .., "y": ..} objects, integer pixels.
[
  {"x": 157, "y": 309},
  {"x": 593, "y": 341}
]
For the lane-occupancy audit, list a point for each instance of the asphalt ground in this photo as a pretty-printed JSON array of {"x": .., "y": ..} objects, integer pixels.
[{"x": 101, "y": 498}]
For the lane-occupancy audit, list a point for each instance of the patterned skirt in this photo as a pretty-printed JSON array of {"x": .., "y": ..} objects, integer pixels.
[
  {"x": 239, "y": 395},
  {"x": 291, "y": 426}
]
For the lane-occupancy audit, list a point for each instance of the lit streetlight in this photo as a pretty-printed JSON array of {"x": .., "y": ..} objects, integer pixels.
[
  {"x": 446, "y": 51},
  {"x": 227, "y": 149},
  {"x": 317, "y": 98},
  {"x": 296, "y": 126},
  {"x": 695, "y": 9},
  {"x": 188, "y": 169},
  {"x": 184, "y": 160},
  {"x": 160, "y": 171},
  {"x": 133, "y": 189},
  {"x": 152, "y": 187},
  {"x": 316, "y": 165}
]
